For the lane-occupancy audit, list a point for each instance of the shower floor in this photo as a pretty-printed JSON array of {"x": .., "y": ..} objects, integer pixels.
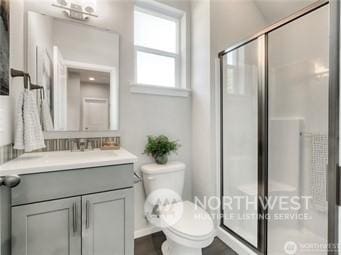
[{"x": 307, "y": 243}]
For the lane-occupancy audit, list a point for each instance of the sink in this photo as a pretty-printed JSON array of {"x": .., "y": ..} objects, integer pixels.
[
  {"x": 65, "y": 160},
  {"x": 85, "y": 154}
]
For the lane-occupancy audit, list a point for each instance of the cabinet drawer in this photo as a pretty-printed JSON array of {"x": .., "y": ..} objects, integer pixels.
[{"x": 61, "y": 184}]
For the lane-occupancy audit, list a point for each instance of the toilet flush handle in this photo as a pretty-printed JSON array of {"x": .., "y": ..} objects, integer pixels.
[{"x": 138, "y": 178}]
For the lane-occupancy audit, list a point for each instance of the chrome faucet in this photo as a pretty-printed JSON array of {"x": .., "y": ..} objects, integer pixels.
[
  {"x": 73, "y": 145},
  {"x": 82, "y": 144}
]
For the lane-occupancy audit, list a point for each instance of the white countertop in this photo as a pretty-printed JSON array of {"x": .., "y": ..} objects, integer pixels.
[{"x": 39, "y": 162}]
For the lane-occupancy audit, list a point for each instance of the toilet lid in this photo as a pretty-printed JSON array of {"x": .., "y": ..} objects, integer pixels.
[{"x": 193, "y": 223}]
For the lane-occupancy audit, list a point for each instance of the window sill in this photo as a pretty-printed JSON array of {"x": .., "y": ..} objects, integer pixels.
[{"x": 159, "y": 90}]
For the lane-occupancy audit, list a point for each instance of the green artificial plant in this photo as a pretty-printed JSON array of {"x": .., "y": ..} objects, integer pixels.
[{"x": 159, "y": 147}]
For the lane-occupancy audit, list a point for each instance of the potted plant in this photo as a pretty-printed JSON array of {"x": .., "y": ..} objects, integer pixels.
[{"x": 159, "y": 147}]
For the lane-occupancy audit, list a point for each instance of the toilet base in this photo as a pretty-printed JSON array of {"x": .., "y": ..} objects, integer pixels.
[{"x": 171, "y": 248}]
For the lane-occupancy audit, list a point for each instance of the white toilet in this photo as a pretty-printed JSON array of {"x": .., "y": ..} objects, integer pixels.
[{"x": 193, "y": 229}]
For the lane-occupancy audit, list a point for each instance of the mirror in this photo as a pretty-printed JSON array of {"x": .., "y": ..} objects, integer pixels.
[{"x": 77, "y": 65}]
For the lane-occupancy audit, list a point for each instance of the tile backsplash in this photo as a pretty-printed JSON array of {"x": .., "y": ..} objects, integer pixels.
[{"x": 8, "y": 153}]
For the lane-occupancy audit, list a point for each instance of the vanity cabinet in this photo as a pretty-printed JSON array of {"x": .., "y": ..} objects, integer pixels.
[
  {"x": 93, "y": 216},
  {"x": 107, "y": 216},
  {"x": 47, "y": 228},
  {"x": 94, "y": 224}
]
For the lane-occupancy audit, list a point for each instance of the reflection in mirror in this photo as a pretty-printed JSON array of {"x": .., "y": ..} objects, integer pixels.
[
  {"x": 87, "y": 95},
  {"x": 77, "y": 65}
]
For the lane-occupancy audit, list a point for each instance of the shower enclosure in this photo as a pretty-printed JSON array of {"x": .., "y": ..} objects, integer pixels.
[{"x": 279, "y": 121}]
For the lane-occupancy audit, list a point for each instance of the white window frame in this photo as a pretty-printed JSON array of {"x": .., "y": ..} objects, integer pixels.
[{"x": 169, "y": 13}]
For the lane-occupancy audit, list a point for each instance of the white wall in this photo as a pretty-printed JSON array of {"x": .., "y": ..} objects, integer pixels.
[
  {"x": 203, "y": 179},
  {"x": 16, "y": 61},
  {"x": 216, "y": 25},
  {"x": 5, "y": 120},
  {"x": 233, "y": 21},
  {"x": 140, "y": 115}
]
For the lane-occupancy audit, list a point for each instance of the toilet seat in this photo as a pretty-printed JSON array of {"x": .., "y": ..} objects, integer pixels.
[{"x": 194, "y": 228}]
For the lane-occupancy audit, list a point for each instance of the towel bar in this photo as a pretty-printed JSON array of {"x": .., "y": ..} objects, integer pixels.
[{"x": 27, "y": 79}]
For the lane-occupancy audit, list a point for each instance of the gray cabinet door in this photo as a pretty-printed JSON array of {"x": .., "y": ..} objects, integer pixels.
[
  {"x": 47, "y": 228},
  {"x": 5, "y": 220},
  {"x": 107, "y": 223}
]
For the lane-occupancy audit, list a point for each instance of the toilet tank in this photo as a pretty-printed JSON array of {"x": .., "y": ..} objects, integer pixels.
[{"x": 169, "y": 176}]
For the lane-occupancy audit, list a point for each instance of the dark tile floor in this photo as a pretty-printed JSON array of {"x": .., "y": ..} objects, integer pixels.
[{"x": 151, "y": 245}]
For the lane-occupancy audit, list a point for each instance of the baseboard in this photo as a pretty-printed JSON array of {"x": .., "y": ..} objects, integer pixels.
[
  {"x": 233, "y": 243},
  {"x": 146, "y": 231}
]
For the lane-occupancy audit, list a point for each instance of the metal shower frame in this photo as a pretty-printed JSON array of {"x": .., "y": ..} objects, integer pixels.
[{"x": 333, "y": 133}]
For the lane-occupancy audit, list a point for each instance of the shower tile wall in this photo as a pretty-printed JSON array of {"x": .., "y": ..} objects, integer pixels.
[{"x": 298, "y": 90}]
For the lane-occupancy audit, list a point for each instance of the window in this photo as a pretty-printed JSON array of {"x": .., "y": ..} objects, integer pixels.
[{"x": 157, "y": 47}]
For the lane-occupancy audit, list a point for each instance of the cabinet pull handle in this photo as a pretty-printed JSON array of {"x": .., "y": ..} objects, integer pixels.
[
  {"x": 10, "y": 181},
  {"x": 87, "y": 219},
  {"x": 74, "y": 216}
]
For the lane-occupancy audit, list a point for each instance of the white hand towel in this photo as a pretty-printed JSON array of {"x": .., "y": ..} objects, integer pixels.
[
  {"x": 46, "y": 116},
  {"x": 33, "y": 133},
  {"x": 19, "y": 121}
]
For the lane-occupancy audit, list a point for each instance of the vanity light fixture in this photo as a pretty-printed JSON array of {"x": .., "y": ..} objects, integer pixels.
[
  {"x": 91, "y": 78},
  {"x": 77, "y": 9}
]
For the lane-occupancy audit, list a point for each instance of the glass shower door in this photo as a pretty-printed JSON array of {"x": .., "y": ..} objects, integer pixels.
[
  {"x": 240, "y": 84},
  {"x": 298, "y": 77}
]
